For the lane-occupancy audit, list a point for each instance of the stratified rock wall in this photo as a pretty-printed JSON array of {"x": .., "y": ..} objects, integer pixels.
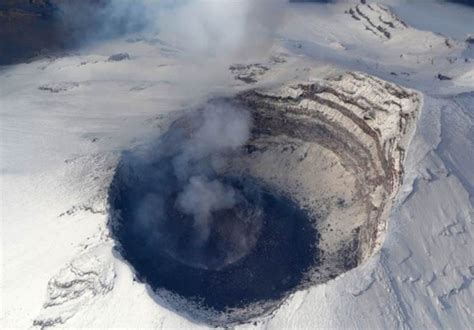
[{"x": 366, "y": 122}]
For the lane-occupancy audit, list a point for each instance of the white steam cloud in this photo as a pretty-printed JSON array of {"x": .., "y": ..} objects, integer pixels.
[
  {"x": 216, "y": 28},
  {"x": 181, "y": 173},
  {"x": 222, "y": 130},
  {"x": 222, "y": 28},
  {"x": 201, "y": 197}
]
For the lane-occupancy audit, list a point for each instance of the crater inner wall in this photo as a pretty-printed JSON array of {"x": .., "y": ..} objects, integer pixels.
[{"x": 337, "y": 147}]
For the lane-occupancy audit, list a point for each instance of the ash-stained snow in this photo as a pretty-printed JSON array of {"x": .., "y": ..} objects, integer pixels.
[{"x": 64, "y": 122}]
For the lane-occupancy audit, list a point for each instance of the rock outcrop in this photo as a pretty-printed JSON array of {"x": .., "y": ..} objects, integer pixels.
[
  {"x": 337, "y": 146},
  {"x": 377, "y": 19},
  {"x": 88, "y": 276}
]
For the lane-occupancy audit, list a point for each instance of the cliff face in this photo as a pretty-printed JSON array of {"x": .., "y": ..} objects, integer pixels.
[{"x": 353, "y": 131}]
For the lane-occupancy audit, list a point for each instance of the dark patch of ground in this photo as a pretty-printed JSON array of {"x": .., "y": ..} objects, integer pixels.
[{"x": 31, "y": 28}]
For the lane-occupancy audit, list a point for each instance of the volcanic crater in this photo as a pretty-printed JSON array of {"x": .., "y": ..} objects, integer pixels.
[{"x": 308, "y": 194}]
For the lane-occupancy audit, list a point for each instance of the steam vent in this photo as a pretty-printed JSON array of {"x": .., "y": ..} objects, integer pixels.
[{"x": 306, "y": 195}]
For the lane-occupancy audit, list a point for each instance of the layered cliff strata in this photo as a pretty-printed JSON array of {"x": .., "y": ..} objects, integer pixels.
[
  {"x": 321, "y": 169},
  {"x": 336, "y": 147}
]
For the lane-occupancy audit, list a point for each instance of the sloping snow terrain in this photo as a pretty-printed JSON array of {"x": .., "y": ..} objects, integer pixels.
[{"x": 398, "y": 186}]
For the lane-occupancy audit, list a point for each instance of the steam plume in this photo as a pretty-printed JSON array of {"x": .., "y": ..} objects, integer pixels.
[
  {"x": 179, "y": 175},
  {"x": 201, "y": 27}
]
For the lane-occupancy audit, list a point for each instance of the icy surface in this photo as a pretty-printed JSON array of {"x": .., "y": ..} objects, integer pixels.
[{"x": 64, "y": 122}]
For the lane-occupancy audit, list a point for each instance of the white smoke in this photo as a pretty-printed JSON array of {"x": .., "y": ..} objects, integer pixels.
[
  {"x": 223, "y": 130},
  {"x": 203, "y": 29},
  {"x": 215, "y": 28},
  {"x": 222, "y": 28},
  {"x": 181, "y": 172},
  {"x": 201, "y": 197}
]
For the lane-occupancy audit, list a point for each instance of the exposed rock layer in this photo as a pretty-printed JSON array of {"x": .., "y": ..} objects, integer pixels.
[
  {"x": 377, "y": 19},
  {"x": 337, "y": 147}
]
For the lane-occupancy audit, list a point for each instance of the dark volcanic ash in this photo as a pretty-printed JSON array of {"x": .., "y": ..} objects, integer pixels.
[{"x": 190, "y": 224}]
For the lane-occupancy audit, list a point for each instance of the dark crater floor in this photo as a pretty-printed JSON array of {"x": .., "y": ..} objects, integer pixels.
[
  {"x": 284, "y": 251},
  {"x": 255, "y": 253}
]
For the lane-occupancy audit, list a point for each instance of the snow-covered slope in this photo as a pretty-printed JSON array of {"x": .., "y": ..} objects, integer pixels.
[{"x": 65, "y": 121}]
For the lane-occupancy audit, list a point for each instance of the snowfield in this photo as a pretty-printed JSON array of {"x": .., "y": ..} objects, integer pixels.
[{"x": 65, "y": 121}]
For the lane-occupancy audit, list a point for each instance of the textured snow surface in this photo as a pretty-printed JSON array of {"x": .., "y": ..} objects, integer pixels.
[{"x": 64, "y": 122}]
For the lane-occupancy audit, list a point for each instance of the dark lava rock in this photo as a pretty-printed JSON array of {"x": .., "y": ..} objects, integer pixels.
[
  {"x": 443, "y": 77},
  {"x": 224, "y": 266},
  {"x": 119, "y": 57}
]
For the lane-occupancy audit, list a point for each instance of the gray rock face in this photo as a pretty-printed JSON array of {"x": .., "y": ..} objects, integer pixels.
[{"x": 337, "y": 147}]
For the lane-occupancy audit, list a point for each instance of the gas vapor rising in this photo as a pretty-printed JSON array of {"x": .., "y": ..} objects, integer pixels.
[
  {"x": 199, "y": 27},
  {"x": 180, "y": 172},
  {"x": 222, "y": 28},
  {"x": 221, "y": 131},
  {"x": 177, "y": 178}
]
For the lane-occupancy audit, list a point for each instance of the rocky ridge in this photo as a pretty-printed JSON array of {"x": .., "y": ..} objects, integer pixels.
[
  {"x": 377, "y": 19},
  {"x": 355, "y": 128},
  {"x": 87, "y": 277}
]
